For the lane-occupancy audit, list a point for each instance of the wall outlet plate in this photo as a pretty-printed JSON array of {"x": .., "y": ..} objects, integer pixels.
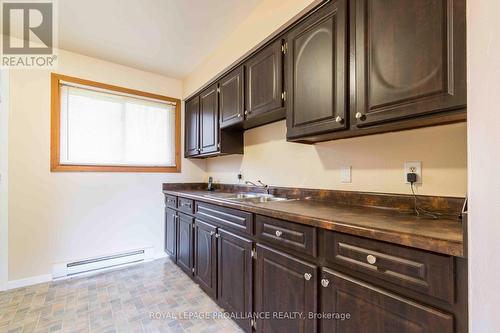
[
  {"x": 415, "y": 167},
  {"x": 345, "y": 174}
]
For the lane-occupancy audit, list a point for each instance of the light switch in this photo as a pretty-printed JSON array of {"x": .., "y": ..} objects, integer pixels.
[{"x": 345, "y": 174}]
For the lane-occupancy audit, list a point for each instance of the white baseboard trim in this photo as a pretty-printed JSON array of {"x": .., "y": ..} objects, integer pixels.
[{"x": 13, "y": 284}]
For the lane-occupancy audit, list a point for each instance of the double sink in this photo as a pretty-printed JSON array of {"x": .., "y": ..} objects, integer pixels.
[{"x": 255, "y": 198}]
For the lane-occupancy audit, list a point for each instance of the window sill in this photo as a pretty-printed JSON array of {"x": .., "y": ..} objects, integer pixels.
[{"x": 111, "y": 168}]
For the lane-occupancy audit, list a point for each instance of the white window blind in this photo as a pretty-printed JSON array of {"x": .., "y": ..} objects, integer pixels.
[{"x": 104, "y": 128}]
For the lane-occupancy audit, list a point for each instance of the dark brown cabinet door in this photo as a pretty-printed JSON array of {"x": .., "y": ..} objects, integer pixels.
[
  {"x": 171, "y": 232},
  {"x": 205, "y": 256},
  {"x": 235, "y": 275},
  {"x": 192, "y": 127},
  {"x": 412, "y": 64},
  {"x": 185, "y": 243},
  {"x": 264, "y": 81},
  {"x": 209, "y": 120},
  {"x": 285, "y": 285},
  {"x": 231, "y": 98},
  {"x": 373, "y": 310},
  {"x": 316, "y": 75}
]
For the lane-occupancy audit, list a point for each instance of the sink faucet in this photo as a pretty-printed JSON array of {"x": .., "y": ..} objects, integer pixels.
[{"x": 261, "y": 184}]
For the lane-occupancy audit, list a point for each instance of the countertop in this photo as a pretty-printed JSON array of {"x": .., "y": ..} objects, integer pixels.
[{"x": 440, "y": 235}]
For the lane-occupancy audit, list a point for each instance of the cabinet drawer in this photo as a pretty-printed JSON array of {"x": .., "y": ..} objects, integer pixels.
[
  {"x": 226, "y": 217},
  {"x": 186, "y": 205},
  {"x": 422, "y": 271},
  {"x": 298, "y": 237},
  {"x": 171, "y": 201}
]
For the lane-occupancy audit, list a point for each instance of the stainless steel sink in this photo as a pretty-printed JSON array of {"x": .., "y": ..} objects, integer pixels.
[{"x": 255, "y": 198}]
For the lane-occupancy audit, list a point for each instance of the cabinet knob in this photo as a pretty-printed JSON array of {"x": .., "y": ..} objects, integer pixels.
[
  {"x": 360, "y": 116},
  {"x": 239, "y": 115},
  {"x": 325, "y": 282},
  {"x": 212, "y": 233},
  {"x": 339, "y": 120},
  {"x": 247, "y": 112},
  {"x": 307, "y": 276},
  {"x": 217, "y": 235},
  {"x": 278, "y": 233},
  {"x": 371, "y": 259}
]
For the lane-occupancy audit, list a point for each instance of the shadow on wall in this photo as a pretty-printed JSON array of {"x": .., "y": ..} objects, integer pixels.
[{"x": 439, "y": 149}]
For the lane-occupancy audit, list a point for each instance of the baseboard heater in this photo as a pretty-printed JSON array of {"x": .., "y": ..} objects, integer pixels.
[{"x": 67, "y": 269}]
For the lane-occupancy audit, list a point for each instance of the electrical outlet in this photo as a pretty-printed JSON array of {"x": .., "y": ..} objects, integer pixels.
[
  {"x": 345, "y": 174},
  {"x": 413, "y": 167}
]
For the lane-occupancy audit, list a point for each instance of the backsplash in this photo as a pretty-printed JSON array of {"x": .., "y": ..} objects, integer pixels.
[{"x": 377, "y": 161}]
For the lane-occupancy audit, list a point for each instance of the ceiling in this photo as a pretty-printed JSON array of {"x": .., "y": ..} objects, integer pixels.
[{"x": 169, "y": 37}]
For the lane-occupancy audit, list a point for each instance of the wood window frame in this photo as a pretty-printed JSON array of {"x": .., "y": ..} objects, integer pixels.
[{"x": 55, "y": 132}]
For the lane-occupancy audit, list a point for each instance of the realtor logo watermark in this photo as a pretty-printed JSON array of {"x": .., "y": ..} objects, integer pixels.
[{"x": 29, "y": 34}]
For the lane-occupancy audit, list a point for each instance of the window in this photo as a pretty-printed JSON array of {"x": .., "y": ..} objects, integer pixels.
[{"x": 98, "y": 127}]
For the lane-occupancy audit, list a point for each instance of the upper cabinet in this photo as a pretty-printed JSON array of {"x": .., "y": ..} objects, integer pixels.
[
  {"x": 409, "y": 59},
  {"x": 192, "y": 127},
  {"x": 264, "y": 99},
  {"x": 347, "y": 68},
  {"x": 231, "y": 98},
  {"x": 203, "y": 136},
  {"x": 316, "y": 72},
  {"x": 209, "y": 120}
]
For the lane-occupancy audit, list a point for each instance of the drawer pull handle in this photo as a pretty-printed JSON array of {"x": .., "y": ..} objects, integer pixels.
[
  {"x": 278, "y": 233},
  {"x": 307, "y": 276},
  {"x": 371, "y": 259},
  {"x": 325, "y": 282},
  {"x": 185, "y": 204}
]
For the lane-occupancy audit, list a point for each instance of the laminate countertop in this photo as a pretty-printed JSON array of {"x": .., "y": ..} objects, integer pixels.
[{"x": 440, "y": 235}]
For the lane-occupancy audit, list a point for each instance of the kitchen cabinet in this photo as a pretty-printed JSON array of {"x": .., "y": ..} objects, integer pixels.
[
  {"x": 203, "y": 135},
  {"x": 252, "y": 263},
  {"x": 316, "y": 73},
  {"x": 264, "y": 99},
  {"x": 412, "y": 65},
  {"x": 209, "y": 120},
  {"x": 336, "y": 72},
  {"x": 205, "y": 268},
  {"x": 192, "y": 127},
  {"x": 285, "y": 284},
  {"x": 373, "y": 310},
  {"x": 232, "y": 105},
  {"x": 185, "y": 243},
  {"x": 171, "y": 232},
  {"x": 235, "y": 275}
]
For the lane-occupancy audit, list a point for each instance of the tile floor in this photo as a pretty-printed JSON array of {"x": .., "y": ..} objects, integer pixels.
[{"x": 122, "y": 300}]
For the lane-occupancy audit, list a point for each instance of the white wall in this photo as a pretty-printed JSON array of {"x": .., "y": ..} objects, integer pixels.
[
  {"x": 376, "y": 160},
  {"x": 483, "y": 70},
  {"x": 4, "y": 167},
  {"x": 55, "y": 217}
]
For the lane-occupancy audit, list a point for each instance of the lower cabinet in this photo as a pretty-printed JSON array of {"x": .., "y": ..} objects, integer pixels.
[
  {"x": 171, "y": 233},
  {"x": 285, "y": 286},
  {"x": 185, "y": 243},
  {"x": 287, "y": 294},
  {"x": 235, "y": 276},
  {"x": 205, "y": 268},
  {"x": 373, "y": 310}
]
